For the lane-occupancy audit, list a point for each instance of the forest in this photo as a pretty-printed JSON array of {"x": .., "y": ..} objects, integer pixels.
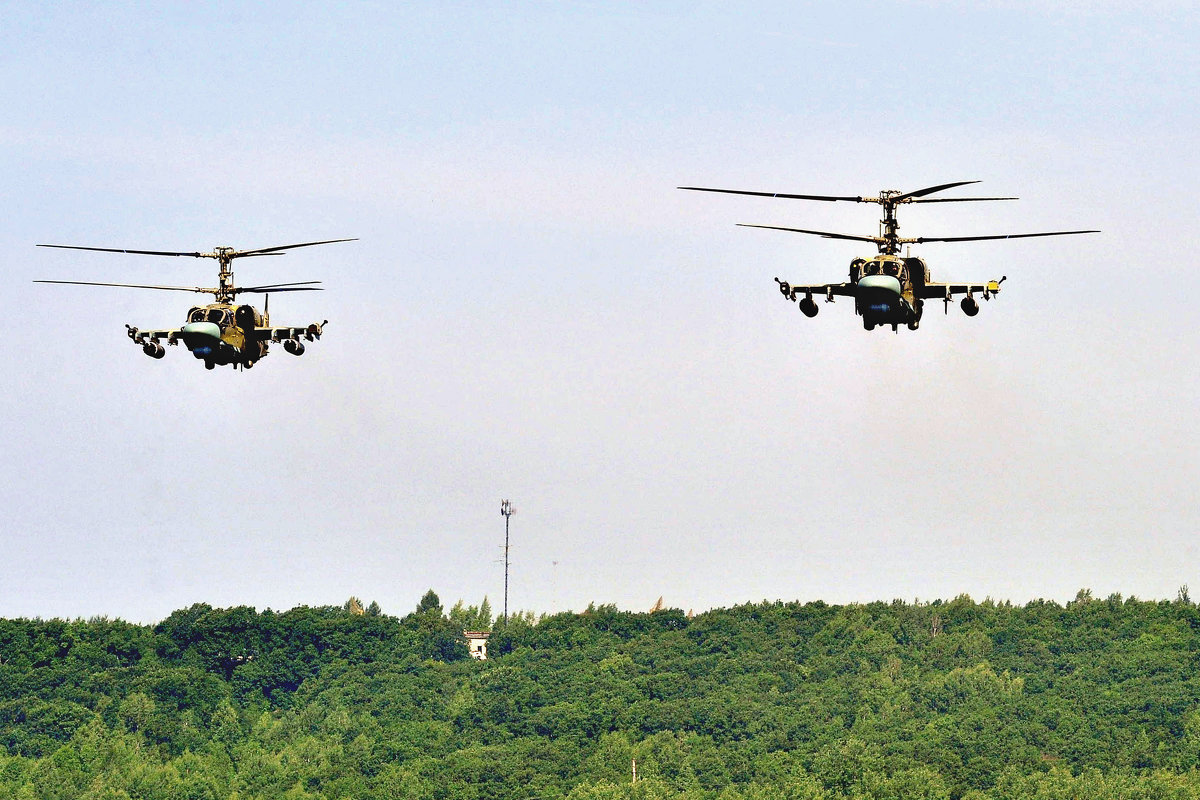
[{"x": 941, "y": 700}]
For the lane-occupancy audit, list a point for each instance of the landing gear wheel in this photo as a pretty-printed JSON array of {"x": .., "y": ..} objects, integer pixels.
[
  {"x": 914, "y": 324},
  {"x": 870, "y": 326},
  {"x": 209, "y": 365}
]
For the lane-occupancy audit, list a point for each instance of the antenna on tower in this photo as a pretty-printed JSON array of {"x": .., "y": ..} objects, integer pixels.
[{"x": 507, "y": 510}]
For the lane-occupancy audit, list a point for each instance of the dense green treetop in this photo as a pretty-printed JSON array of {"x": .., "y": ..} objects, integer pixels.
[{"x": 946, "y": 699}]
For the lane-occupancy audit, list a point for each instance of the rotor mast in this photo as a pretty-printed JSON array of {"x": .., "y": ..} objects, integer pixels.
[
  {"x": 225, "y": 291},
  {"x": 889, "y": 241}
]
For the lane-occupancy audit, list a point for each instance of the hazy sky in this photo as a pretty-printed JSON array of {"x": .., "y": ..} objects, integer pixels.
[{"x": 534, "y": 312}]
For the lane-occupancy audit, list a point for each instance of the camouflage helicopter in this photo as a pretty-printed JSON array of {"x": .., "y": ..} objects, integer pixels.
[
  {"x": 221, "y": 332},
  {"x": 890, "y": 289}
]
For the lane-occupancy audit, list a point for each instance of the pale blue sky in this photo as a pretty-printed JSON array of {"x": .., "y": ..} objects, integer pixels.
[{"x": 533, "y": 311}]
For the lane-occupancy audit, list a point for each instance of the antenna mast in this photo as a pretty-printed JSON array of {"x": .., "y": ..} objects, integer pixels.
[{"x": 507, "y": 510}]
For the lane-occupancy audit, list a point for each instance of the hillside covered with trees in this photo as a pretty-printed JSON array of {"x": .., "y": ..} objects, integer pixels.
[{"x": 1096, "y": 699}]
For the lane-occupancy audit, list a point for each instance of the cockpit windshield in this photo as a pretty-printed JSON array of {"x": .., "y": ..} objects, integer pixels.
[
  {"x": 196, "y": 315},
  {"x": 216, "y": 315},
  {"x": 884, "y": 266}
]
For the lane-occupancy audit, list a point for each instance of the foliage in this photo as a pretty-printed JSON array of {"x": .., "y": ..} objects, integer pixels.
[{"x": 1099, "y": 698}]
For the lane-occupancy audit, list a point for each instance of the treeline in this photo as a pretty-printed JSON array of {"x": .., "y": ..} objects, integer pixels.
[{"x": 1099, "y": 698}]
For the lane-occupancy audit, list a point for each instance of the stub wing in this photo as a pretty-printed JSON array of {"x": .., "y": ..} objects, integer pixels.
[
  {"x": 944, "y": 291},
  {"x": 280, "y": 333},
  {"x": 826, "y": 290},
  {"x": 169, "y": 335}
]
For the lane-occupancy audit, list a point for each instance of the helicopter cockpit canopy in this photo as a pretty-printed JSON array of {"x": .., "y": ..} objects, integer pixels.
[
  {"x": 862, "y": 268},
  {"x": 219, "y": 316}
]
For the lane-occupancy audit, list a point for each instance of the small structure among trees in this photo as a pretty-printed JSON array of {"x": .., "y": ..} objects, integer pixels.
[{"x": 477, "y": 643}]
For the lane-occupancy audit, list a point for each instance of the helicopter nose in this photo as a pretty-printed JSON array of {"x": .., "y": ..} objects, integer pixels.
[
  {"x": 879, "y": 284},
  {"x": 879, "y": 297},
  {"x": 200, "y": 334}
]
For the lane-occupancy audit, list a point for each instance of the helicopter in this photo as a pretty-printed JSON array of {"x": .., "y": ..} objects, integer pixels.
[
  {"x": 890, "y": 289},
  {"x": 221, "y": 332}
]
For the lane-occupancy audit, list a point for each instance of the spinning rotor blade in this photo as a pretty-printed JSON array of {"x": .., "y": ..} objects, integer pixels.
[
  {"x": 137, "y": 285},
  {"x": 824, "y": 234},
  {"x": 272, "y": 287},
  {"x": 773, "y": 194},
  {"x": 929, "y": 190},
  {"x": 923, "y": 239},
  {"x": 266, "y": 251},
  {"x": 298, "y": 286},
  {"x": 959, "y": 199},
  {"x": 270, "y": 290},
  {"x": 907, "y": 197},
  {"x": 272, "y": 250},
  {"x": 118, "y": 250}
]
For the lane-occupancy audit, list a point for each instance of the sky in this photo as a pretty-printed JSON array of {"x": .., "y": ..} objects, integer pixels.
[{"x": 532, "y": 311}]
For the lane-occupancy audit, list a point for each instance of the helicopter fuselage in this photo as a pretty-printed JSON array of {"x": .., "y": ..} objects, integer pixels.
[
  {"x": 884, "y": 289},
  {"x": 890, "y": 290},
  {"x": 226, "y": 334},
  {"x": 221, "y": 333}
]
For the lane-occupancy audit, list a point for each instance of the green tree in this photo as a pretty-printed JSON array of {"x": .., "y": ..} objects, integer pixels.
[{"x": 430, "y": 604}]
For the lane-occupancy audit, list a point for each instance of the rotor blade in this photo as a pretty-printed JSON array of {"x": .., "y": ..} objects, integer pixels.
[
  {"x": 958, "y": 199},
  {"x": 287, "y": 247},
  {"x": 273, "y": 286},
  {"x": 271, "y": 289},
  {"x": 930, "y": 190},
  {"x": 825, "y": 234},
  {"x": 118, "y": 250},
  {"x": 136, "y": 286},
  {"x": 773, "y": 194},
  {"x": 923, "y": 239}
]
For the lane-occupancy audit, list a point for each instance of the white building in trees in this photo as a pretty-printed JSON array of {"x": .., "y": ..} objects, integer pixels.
[{"x": 477, "y": 643}]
